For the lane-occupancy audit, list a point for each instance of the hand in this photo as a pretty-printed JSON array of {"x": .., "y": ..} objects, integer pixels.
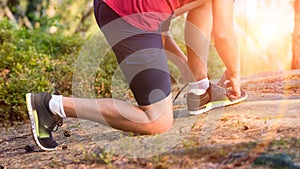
[{"x": 231, "y": 80}]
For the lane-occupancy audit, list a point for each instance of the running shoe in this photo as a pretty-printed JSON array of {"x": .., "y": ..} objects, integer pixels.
[
  {"x": 214, "y": 97},
  {"x": 43, "y": 121}
]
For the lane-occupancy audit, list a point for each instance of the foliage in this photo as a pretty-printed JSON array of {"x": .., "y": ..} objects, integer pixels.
[
  {"x": 37, "y": 61},
  {"x": 32, "y": 61}
]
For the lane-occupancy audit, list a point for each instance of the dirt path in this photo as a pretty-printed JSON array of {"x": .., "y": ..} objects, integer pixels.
[{"x": 263, "y": 132}]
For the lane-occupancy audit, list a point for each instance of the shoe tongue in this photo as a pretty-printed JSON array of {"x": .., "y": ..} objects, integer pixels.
[
  {"x": 45, "y": 116},
  {"x": 197, "y": 91},
  {"x": 56, "y": 118},
  {"x": 217, "y": 93}
]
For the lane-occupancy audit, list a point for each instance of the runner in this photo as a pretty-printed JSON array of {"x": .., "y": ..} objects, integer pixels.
[{"x": 134, "y": 29}]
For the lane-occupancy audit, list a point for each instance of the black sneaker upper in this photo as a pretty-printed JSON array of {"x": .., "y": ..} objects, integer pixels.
[
  {"x": 48, "y": 122},
  {"x": 47, "y": 119}
]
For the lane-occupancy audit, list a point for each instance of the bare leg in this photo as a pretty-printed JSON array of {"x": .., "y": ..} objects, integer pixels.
[
  {"x": 152, "y": 119},
  {"x": 171, "y": 46},
  {"x": 176, "y": 56},
  {"x": 226, "y": 43},
  {"x": 197, "y": 36}
]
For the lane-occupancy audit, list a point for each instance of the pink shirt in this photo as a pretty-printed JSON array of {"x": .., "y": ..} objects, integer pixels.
[{"x": 145, "y": 14}]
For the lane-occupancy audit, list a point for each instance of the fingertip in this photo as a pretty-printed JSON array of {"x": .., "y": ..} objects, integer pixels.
[{"x": 233, "y": 95}]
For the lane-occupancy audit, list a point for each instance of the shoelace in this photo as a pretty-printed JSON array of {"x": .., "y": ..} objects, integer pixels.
[
  {"x": 218, "y": 88},
  {"x": 58, "y": 123},
  {"x": 218, "y": 92},
  {"x": 179, "y": 92}
]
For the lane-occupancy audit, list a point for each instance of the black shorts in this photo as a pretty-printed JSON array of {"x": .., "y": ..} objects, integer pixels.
[{"x": 140, "y": 55}]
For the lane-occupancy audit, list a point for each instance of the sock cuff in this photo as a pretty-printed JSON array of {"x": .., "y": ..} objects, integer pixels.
[
  {"x": 56, "y": 106},
  {"x": 198, "y": 87},
  {"x": 62, "y": 107},
  {"x": 199, "y": 82}
]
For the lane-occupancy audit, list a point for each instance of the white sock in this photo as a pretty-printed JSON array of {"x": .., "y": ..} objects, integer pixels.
[
  {"x": 56, "y": 106},
  {"x": 199, "y": 87}
]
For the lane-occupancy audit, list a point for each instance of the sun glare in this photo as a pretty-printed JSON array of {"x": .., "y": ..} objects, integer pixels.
[{"x": 264, "y": 30}]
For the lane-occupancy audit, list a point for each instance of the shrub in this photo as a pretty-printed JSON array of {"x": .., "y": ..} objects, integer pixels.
[
  {"x": 35, "y": 61},
  {"x": 32, "y": 61}
]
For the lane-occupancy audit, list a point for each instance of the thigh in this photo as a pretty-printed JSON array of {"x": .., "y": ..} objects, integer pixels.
[
  {"x": 140, "y": 54},
  {"x": 144, "y": 64},
  {"x": 201, "y": 18}
]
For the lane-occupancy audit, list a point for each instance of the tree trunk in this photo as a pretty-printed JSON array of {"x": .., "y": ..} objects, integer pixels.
[
  {"x": 6, "y": 12},
  {"x": 296, "y": 37},
  {"x": 15, "y": 7},
  {"x": 34, "y": 10}
]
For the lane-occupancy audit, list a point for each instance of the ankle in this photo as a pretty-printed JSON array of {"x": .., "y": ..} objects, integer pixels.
[
  {"x": 56, "y": 106},
  {"x": 199, "y": 87}
]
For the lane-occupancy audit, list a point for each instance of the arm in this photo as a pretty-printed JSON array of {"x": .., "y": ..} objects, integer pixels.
[
  {"x": 189, "y": 7},
  {"x": 226, "y": 43}
]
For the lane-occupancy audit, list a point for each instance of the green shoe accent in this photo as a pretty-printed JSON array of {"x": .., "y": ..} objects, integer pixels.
[
  {"x": 36, "y": 119},
  {"x": 216, "y": 104},
  {"x": 39, "y": 131}
]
